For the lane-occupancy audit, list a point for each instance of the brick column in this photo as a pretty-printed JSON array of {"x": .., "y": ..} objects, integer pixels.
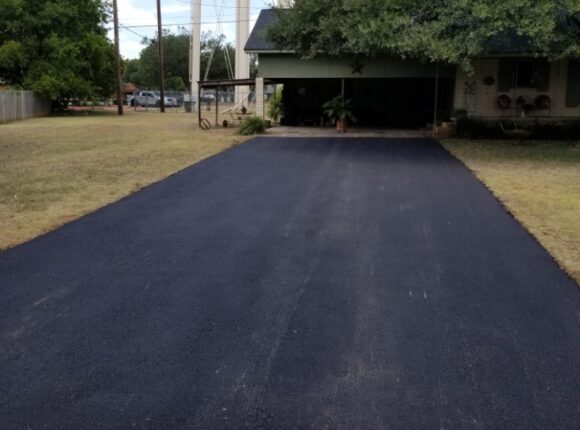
[{"x": 260, "y": 111}]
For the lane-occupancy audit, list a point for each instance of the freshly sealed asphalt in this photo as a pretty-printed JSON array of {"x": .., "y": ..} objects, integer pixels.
[{"x": 293, "y": 284}]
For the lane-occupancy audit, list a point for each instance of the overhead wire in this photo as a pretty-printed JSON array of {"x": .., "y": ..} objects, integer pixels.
[
  {"x": 225, "y": 6},
  {"x": 225, "y": 47},
  {"x": 132, "y": 31},
  {"x": 184, "y": 24},
  {"x": 210, "y": 60}
]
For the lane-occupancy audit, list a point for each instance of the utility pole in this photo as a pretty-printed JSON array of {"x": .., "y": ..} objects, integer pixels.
[
  {"x": 242, "y": 59},
  {"x": 118, "y": 59},
  {"x": 160, "y": 42},
  {"x": 195, "y": 68}
]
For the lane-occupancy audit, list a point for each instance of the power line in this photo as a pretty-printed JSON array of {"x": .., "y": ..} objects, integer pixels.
[
  {"x": 224, "y": 15},
  {"x": 134, "y": 32},
  {"x": 229, "y": 7},
  {"x": 184, "y": 24}
]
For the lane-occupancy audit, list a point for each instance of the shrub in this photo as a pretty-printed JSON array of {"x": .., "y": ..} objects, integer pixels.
[
  {"x": 275, "y": 106},
  {"x": 470, "y": 128},
  {"x": 252, "y": 125},
  {"x": 551, "y": 131}
]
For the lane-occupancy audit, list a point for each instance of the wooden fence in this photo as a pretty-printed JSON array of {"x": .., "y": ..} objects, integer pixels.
[{"x": 16, "y": 105}]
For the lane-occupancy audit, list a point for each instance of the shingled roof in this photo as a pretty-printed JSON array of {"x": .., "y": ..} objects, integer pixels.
[
  {"x": 509, "y": 43},
  {"x": 257, "y": 41}
]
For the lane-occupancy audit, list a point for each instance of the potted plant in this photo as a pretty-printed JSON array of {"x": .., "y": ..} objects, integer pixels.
[{"x": 338, "y": 111}]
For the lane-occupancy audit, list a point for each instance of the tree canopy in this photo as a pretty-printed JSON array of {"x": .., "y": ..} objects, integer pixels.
[
  {"x": 58, "y": 48},
  {"x": 144, "y": 71},
  {"x": 453, "y": 31}
]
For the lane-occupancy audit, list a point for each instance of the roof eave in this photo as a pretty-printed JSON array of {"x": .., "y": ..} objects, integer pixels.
[{"x": 268, "y": 51}]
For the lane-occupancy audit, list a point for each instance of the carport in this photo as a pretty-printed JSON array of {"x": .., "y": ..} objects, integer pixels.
[
  {"x": 387, "y": 102},
  {"x": 385, "y": 91},
  {"x": 217, "y": 85}
]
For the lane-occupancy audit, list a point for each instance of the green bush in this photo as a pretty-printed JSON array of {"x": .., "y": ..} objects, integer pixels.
[
  {"x": 470, "y": 128},
  {"x": 252, "y": 125},
  {"x": 275, "y": 106},
  {"x": 551, "y": 131}
]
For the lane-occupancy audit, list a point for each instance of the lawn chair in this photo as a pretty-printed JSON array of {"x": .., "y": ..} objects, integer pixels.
[{"x": 543, "y": 102}]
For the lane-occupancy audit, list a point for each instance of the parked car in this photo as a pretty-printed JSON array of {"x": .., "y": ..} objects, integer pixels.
[
  {"x": 177, "y": 95},
  {"x": 207, "y": 98},
  {"x": 153, "y": 98}
]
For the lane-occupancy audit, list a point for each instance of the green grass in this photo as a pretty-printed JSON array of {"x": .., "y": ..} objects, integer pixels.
[
  {"x": 54, "y": 170},
  {"x": 539, "y": 183}
]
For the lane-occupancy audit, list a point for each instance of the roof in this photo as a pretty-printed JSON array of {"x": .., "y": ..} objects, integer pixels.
[
  {"x": 509, "y": 43},
  {"x": 226, "y": 83},
  {"x": 257, "y": 41},
  {"x": 128, "y": 87}
]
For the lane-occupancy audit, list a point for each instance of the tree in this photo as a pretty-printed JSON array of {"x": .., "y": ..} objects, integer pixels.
[
  {"x": 131, "y": 71},
  {"x": 453, "y": 31},
  {"x": 58, "y": 48},
  {"x": 144, "y": 71}
]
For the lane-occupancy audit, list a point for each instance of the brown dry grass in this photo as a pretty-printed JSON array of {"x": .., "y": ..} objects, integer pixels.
[
  {"x": 54, "y": 170},
  {"x": 539, "y": 182}
]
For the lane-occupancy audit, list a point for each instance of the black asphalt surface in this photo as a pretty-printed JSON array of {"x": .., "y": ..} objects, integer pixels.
[{"x": 293, "y": 284}]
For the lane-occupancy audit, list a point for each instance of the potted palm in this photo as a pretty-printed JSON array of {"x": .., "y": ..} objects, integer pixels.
[{"x": 338, "y": 111}]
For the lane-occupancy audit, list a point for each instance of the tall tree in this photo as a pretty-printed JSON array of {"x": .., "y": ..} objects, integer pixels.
[
  {"x": 453, "y": 31},
  {"x": 58, "y": 48},
  {"x": 144, "y": 71}
]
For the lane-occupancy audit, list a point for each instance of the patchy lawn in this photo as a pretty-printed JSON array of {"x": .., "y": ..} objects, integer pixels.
[
  {"x": 54, "y": 170},
  {"x": 539, "y": 182}
]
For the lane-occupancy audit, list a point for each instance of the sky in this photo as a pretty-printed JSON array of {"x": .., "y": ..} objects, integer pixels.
[{"x": 144, "y": 12}]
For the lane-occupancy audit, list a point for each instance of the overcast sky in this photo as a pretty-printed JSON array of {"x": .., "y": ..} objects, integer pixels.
[{"x": 144, "y": 12}]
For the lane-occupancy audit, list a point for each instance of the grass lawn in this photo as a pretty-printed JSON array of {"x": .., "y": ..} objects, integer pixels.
[
  {"x": 54, "y": 170},
  {"x": 538, "y": 182}
]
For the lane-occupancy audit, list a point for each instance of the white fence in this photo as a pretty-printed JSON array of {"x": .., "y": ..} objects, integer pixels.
[{"x": 15, "y": 105}]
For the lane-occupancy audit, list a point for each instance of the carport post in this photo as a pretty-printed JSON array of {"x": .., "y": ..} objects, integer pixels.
[
  {"x": 217, "y": 101},
  {"x": 436, "y": 104},
  {"x": 198, "y": 104}
]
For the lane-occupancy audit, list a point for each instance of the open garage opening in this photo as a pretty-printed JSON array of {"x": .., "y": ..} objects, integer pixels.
[{"x": 384, "y": 103}]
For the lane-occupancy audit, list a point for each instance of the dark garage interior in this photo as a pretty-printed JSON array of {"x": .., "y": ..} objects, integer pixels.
[{"x": 385, "y": 103}]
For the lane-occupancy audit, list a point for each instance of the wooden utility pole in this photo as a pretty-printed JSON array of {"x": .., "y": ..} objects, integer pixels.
[
  {"x": 118, "y": 59},
  {"x": 160, "y": 41}
]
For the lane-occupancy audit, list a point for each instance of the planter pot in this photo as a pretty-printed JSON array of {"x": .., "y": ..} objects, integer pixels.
[
  {"x": 341, "y": 126},
  {"x": 446, "y": 130}
]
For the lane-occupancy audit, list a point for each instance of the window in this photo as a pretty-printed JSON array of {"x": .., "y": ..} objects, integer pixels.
[
  {"x": 573, "y": 87},
  {"x": 524, "y": 73}
]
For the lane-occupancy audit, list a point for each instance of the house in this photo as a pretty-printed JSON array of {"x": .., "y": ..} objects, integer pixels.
[{"x": 393, "y": 92}]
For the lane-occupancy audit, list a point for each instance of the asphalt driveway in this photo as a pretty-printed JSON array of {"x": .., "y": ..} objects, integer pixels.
[{"x": 293, "y": 283}]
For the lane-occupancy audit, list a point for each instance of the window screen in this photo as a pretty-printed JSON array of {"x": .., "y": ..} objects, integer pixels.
[
  {"x": 573, "y": 87},
  {"x": 523, "y": 73}
]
